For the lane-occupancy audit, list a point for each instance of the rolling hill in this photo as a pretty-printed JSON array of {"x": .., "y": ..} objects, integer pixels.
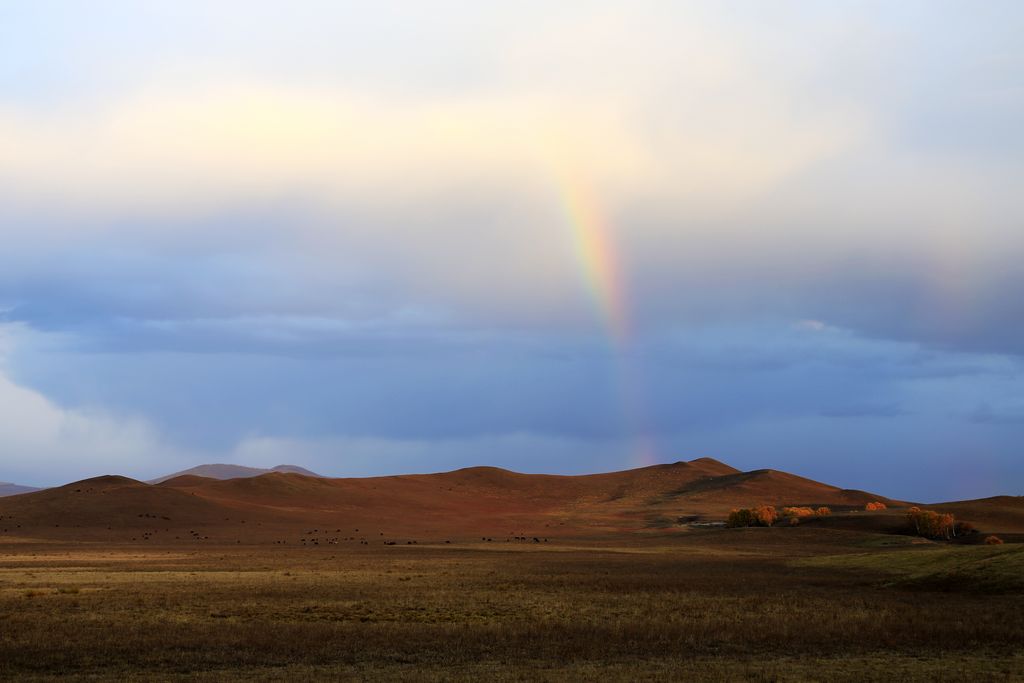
[
  {"x": 998, "y": 513},
  {"x": 488, "y": 502}
]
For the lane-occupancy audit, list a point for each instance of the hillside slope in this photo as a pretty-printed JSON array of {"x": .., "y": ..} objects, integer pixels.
[{"x": 999, "y": 513}]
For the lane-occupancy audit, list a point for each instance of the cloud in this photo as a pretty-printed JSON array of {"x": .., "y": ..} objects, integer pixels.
[
  {"x": 43, "y": 443},
  {"x": 832, "y": 405},
  {"x": 655, "y": 104},
  {"x": 811, "y": 325},
  {"x": 183, "y": 150},
  {"x": 984, "y": 414},
  {"x": 334, "y": 186},
  {"x": 327, "y": 202}
]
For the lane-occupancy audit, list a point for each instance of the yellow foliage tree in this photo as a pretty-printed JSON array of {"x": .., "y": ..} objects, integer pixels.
[
  {"x": 762, "y": 515},
  {"x": 931, "y": 524}
]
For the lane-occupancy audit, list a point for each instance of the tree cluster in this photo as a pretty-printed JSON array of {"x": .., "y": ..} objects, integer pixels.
[
  {"x": 875, "y": 506},
  {"x": 938, "y": 525},
  {"x": 762, "y": 515}
]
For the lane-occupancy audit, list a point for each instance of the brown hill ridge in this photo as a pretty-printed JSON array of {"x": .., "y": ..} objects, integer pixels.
[{"x": 473, "y": 502}]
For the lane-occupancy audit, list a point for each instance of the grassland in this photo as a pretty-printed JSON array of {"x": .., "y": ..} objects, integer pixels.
[
  {"x": 977, "y": 569},
  {"x": 745, "y": 604}
]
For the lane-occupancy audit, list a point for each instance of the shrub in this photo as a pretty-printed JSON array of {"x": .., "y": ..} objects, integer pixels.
[
  {"x": 993, "y": 540},
  {"x": 823, "y": 511},
  {"x": 875, "y": 506}
]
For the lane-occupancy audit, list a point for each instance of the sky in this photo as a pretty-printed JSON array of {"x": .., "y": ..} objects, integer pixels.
[{"x": 378, "y": 238}]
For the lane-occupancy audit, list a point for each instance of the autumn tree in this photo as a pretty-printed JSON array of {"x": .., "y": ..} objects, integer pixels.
[
  {"x": 740, "y": 517},
  {"x": 931, "y": 524},
  {"x": 766, "y": 515},
  {"x": 762, "y": 515}
]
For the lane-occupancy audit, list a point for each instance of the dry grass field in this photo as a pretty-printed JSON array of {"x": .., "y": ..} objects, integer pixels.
[{"x": 774, "y": 604}]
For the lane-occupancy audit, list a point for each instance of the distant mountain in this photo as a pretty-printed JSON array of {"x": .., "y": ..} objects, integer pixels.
[
  {"x": 9, "y": 489},
  {"x": 220, "y": 471}
]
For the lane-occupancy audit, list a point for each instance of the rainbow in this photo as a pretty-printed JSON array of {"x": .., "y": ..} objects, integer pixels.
[
  {"x": 603, "y": 275},
  {"x": 598, "y": 260}
]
